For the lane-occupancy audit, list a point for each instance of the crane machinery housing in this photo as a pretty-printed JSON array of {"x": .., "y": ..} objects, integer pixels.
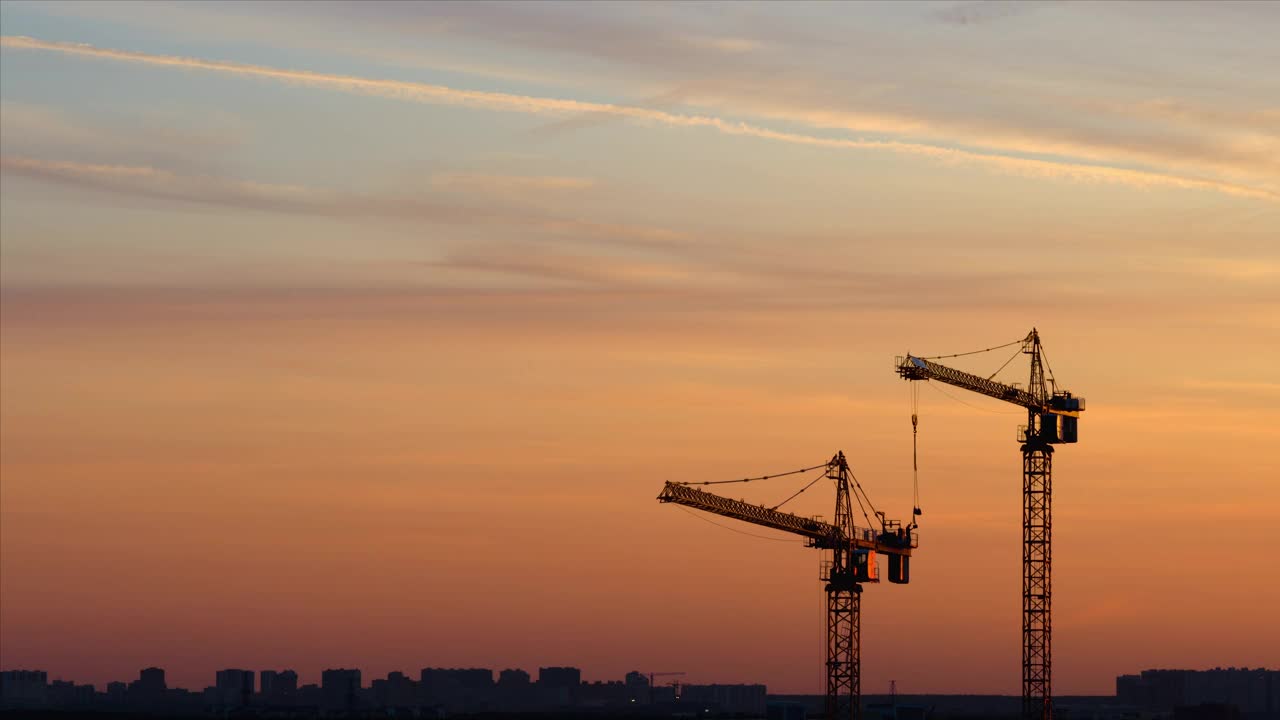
[
  {"x": 852, "y": 562},
  {"x": 1052, "y": 417}
]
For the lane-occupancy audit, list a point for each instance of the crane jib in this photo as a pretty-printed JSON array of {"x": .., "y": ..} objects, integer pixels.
[
  {"x": 914, "y": 368},
  {"x": 820, "y": 534}
]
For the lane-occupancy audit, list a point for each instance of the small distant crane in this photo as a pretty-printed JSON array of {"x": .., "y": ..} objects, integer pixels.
[
  {"x": 852, "y": 562},
  {"x": 653, "y": 675},
  {"x": 1052, "y": 417}
]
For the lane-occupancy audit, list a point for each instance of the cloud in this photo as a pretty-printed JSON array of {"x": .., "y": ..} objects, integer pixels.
[
  {"x": 147, "y": 136},
  {"x": 621, "y": 262},
  {"x": 1251, "y": 387},
  {"x": 503, "y": 184},
  {"x": 158, "y": 183},
  {"x": 507, "y": 102},
  {"x": 1219, "y": 142},
  {"x": 29, "y": 122},
  {"x": 977, "y": 13},
  {"x": 1051, "y": 104},
  {"x": 627, "y": 264},
  {"x": 730, "y": 45},
  {"x": 1234, "y": 269},
  {"x": 578, "y": 122},
  {"x": 585, "y": 270}
]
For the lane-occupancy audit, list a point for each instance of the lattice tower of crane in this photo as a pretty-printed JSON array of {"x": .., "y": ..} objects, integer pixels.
[
  {"x": 851, "y": 561},
  {"x": 1052, "y": 417}
]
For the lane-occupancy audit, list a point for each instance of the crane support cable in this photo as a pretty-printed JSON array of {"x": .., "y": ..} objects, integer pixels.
[
  {"x": 808, "y": 485},
  {"x": 1016, "y": 353},
  {"x": 752, "y": 479},
  {"x": 971, "y": 405},
  {"x": 1045, "y": 356},
  {"x": 734, "y": 529},
  {"x": 859, "y": 496},
  {"x": 972, "y": 352}
]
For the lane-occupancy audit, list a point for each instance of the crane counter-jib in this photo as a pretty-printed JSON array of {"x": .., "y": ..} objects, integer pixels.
[{"x": 821, "y": 534}]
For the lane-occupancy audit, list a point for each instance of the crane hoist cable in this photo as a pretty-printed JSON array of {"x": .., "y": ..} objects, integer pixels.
[{"x": 915, "y": 456}]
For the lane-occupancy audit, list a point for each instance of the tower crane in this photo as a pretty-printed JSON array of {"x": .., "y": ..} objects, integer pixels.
[
  {"x": 1052, "y": 418},
  {"x": 653, "y": 675},
  {"x": 852, "y": 561}
]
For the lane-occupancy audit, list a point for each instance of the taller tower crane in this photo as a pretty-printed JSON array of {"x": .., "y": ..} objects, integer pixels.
[
  {"x": 852, "y": 562},
  {"x": 1052, "y": 417}
]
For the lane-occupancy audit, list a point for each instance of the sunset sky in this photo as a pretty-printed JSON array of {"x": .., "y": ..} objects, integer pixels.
[{"x": 366, "y": 334}]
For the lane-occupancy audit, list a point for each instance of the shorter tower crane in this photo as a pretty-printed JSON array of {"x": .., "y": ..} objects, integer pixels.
[
  {"x": 653, "y": 675},
  {"x": 852, "y": 562}
]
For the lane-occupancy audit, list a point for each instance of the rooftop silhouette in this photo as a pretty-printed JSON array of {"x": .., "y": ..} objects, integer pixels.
[{"x": 1246, "y": 693}]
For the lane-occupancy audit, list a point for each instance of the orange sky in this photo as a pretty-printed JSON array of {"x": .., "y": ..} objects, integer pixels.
[
  {"x": 377, "y": 352},
  {"x": 370, "y": 483}
]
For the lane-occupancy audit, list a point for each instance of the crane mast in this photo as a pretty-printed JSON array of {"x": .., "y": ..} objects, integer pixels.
[
  {"x": 844, "y": 612},
  {"x": 1052, "y": 417},
  {"x": 852, "y": 562}
]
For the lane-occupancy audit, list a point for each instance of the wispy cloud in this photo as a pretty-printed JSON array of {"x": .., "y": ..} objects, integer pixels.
[
  {"x": 1218, "y": 143},
  {"x": 482, "y": 182},
  {"x": 724, "y": 44},
  {"x": 975, "y": 13},
  {"x": 159, "y": 183},
  {"x": 562, "y": 250},
  {"x": 146, "y": 136},
  {"x": 1269, "y": 388},
  {"x": 1233, "y": 269},
  {"x": 618, "y": 259},
  {"x": 507, "y": 102}
]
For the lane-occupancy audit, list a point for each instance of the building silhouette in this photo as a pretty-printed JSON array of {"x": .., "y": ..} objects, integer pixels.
[
  {"x": 278, "y": 687},
  {"x": 726, "y": 699},
  {"x": 513, "y": 678},
  {"x": 1217, "y": 694},
  {"x": 24, "y": 688},
  {"x": 234, "y": 688},
  {"x": 149, "y": 690},
  {"x": 397, "y": 690},
  {"x": 117, "y": 695},
  {"x": 340, "y": 690},
  {"x": 558, "y": 686},
  {"x": 1253, "y": 692},
  {"x": 459, "y": 690},
  {"x": 559, "y": 677}
]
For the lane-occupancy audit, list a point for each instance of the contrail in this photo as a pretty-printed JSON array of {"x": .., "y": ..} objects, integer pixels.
[{"x": 507, "y": 102}]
